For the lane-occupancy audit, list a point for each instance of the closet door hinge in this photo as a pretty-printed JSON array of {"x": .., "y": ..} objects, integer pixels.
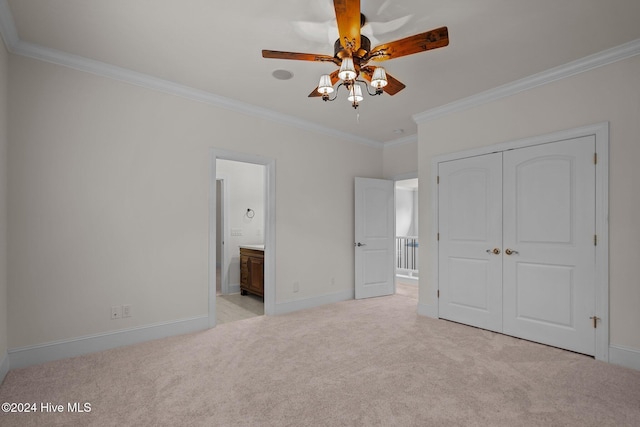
[
  {"x": 595, "y": 158},
  {"x": 438, "y": 237},
  {"x": 438, "y": 179},
  {"x": 595, "y": 240},
  {"x": 438, "y": 293}
]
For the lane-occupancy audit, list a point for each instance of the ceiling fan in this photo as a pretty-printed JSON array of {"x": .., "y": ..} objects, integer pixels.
[{"x": 352, "y": 52}]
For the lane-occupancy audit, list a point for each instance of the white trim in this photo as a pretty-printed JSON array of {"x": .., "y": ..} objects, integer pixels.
[
  {"x": 624, "y": 356},
  {"x": 409, "y": 139},
  {"x": 8, "y": 29},
  {"x": 19, "y": 47},
  {"x": 47, "y": 352},
  {"x": 428, "y": 310},
  {"x": 147, "y": 81},
  {"x": 233, "y": 288},
  {"x": 601, "y": 133},
  {"x": 434, "y": 304},
  {"x": 269, "y": 233},
  {"x": 587, "y": 63},
  {"x": 4, "y": 367},
  {"x": 224, "y": 258},
  {"x": 303, "y": 304}
]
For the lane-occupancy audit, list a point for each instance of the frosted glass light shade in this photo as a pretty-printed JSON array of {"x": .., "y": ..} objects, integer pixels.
[
  {"x": 355, "y": 93},
  {"x": 325, "y": 87},
  {"x": 347, "y": 70},
  {"x": 379, "y": 79}
]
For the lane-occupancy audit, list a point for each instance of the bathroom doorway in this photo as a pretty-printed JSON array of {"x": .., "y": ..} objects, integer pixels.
[{"x": 241, "y": 216}]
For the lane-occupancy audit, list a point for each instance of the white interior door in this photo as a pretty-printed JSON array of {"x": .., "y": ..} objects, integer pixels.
[
  {"x": 470, "y": 227},
  {"x": 549, "y": 251},
  {"x": 374, "y": 237}
]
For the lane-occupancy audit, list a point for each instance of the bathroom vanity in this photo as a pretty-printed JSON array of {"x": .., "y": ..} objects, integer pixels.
[{"x": 252, "y": 269}]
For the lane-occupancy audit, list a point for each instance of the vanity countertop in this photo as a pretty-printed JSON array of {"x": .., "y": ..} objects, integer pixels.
[{"x": 253, "y": 247}]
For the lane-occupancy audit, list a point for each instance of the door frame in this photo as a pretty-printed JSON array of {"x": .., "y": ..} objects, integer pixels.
[
  {"x": 404, "y": 177},
  {"x": 269, "y": 227},
  {"x": 224, "y": 256},
  {"x": 601, "y": 133},
  {"x": 360, "y": 290}
]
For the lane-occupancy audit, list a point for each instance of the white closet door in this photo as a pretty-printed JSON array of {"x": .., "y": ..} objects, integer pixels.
[
  {"x": 470, "y": 227},
  {"x": 549, "y": 226}
]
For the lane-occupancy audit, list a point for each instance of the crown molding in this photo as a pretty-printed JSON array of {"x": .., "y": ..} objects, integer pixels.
[
  {"x": 31, "y": 50},
  {"x": 587, "y": 63},
  {"x": 409, "y": 139},
  {"x": 7, "y": 26}
]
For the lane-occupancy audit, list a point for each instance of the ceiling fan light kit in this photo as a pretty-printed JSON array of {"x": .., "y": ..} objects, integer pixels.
[
  {"x": 347, "y": 70},
  {"x": 325, "y": 87},
  {"x": 352, "y": 53},
  {"x": 379, "y": 79}
]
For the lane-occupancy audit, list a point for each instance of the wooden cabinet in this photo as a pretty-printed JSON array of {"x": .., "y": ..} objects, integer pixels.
[{"x": 251, "y": 271}]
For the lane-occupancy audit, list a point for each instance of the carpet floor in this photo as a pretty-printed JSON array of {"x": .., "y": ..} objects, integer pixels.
[{"x": 369, "y": 362}]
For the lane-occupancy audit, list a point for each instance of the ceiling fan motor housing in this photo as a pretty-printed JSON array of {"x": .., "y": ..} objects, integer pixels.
[{"x": 340, "y": 53}]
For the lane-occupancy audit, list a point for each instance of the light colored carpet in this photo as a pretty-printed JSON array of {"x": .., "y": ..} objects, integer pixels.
[
  {"x": 354, "y": 363},
  {"x": 407, "y": 290}
]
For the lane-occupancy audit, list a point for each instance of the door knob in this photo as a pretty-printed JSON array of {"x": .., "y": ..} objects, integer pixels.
[
  {"x": 494, "y": 251},
  {"x": 511, "y": 252},
  {"x": 359, "y": 244}
]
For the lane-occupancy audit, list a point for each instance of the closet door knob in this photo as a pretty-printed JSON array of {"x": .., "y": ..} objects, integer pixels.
[
  {"x": 510, "y": 252},
  {"x": 494, "y": 251}
]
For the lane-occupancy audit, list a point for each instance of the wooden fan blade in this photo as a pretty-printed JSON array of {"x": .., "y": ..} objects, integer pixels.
[
  {"x": 348, "y": 18},
  {"x": 393, "y": 85},
  {"x": 334, "y": 80},
  {"x": 419, "y": 43},
  {"x": 276, "y": 54}
]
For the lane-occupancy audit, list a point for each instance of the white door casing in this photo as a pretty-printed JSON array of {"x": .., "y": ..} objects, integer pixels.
[
  {"x": 374, "y": 237},
  {"x": 470, "y": 227},
  {"x": 549, "y": 251}
]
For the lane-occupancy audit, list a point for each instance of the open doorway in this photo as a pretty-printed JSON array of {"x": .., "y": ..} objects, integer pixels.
[
  {"x": 241, "y": 216},
  {"x": 406, "y": 241}
]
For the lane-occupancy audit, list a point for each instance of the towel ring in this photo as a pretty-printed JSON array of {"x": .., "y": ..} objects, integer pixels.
[{"x": 250, "y": 213}]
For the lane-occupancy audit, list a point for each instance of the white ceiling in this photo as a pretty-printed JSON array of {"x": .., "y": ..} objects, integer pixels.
[{"x": 215, "y": 47}]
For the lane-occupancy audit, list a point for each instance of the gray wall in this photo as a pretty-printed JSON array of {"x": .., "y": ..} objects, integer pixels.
[
  {"x": 108, "y": 202},
  {"x": 4, "y": 68},
  {"x": 609, "y": 93}
]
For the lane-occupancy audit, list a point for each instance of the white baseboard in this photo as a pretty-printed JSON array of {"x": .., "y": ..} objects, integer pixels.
[
  {"x": 36, "y": 354},
  {"x": 301, "y": 304},
  {"x": 4, "y": 367},
  {"x": 428, "y": 310},
  {"x": 624, "y": 356},
  {"x": 234, "y": 288}
]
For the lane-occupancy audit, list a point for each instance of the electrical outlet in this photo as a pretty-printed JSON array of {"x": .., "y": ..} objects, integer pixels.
[
  {"x": 126, "y": 310},
  {"x": 296, "y": 286},
  {"x": 116, "y": 312}
]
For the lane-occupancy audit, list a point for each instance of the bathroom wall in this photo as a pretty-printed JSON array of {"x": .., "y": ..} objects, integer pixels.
[{"x": 244, "y": 185}]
